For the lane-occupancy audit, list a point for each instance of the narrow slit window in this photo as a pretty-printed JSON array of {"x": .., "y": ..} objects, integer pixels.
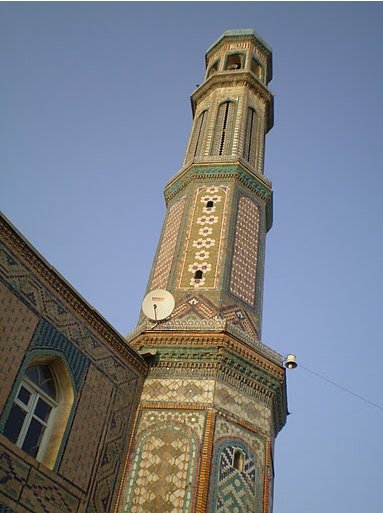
[
  {"x": 196, "y": 143},
  {"x": 224, "y": 129},
  {"x": 238, "y": 460},
  {"x": 249, "y": 151}
]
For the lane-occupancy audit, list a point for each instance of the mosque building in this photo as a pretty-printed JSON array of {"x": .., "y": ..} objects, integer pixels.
[{"x": 180, "y": 416}]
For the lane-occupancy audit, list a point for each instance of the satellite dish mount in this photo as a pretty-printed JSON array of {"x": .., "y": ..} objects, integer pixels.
[{"x": 158, "y": 305}]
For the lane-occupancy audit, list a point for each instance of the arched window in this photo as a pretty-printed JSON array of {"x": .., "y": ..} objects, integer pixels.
[
  {"x": 234, "y": 61},
  {"x": 196, "y": 143},
  {"x": 198, "y": 275},
  {"x": 40, "y": 410},
  {"x": 210, "y": 204},
  {"x": 34, "y": 406},
  {"x": 213, "y": 69},
  {"x": 249, "y": 150},
  {"x": 238, "y": 460},
  {"x": 224, "y": 129},
  {"x": 257, "y": 68}
]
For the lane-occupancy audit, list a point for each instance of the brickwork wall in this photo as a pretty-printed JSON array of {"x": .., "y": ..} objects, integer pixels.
[
  {"x": 36, "y": 322},
  {"x": 17, "y": 324},
  {"x": 245, "y": 254},
  {"x": 167, "y": 247}
]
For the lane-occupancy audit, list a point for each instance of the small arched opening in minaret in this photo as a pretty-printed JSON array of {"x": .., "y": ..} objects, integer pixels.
[
  {"x": 213, "y": 69},
  {"x": 257, "y": 68},
  {"x": 210, "y": 204},
  {"x": 198, "y": 275},
  {"x": 238, "y": 460},
  {"x": 234, "y": 62}
]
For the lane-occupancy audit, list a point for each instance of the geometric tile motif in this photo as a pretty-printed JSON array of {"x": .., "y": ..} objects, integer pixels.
[
  {"x": 241, "y": 318},
  {"x": 17, "y": 324},
  {"x": 44, "y": 496},
  {"x": 178, "y": 390},
  {"x": 191, "y": 420},
  {"x": 42, "y": 301},
  {"x": 242, "y": 406},
  {"x": 5, "y": 509},
  {"x": 169, "y": 237},
  {"x": 113, "y": 449},
  {"x": 225, "y": 430},
  {"x": 33, "y": 491},
  {"x": 245, "y": 254},
  {"x": 47, "y": 337},
  {"x": 85, "y": 434},
  {"x": 163, "y": 469},
  {"x": 201, "y": 307},
  {"x": 203, "y": 244},
  {"x": 234, "y": 490}
]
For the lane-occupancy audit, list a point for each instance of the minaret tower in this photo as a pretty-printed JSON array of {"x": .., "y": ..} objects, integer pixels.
[{"x": 215, "y": 396}]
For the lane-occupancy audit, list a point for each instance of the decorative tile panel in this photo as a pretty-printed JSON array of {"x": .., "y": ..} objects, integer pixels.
[
  {"x": 234, "y": 490},
  {"x": 17, "y": 324},
  {"x": 33, "y": 488},
  {"x": 178, "y": 390},
  {"x": 203, "y": 247},
  {"x": 229, "y": 430},
  {"x": 242, "y": 406},
  {"x": 245, "y": 254},
  {"x": 85, "y": 435},
  {"x": 165, "y": 459},
  {"x": 167, "y": 246}
]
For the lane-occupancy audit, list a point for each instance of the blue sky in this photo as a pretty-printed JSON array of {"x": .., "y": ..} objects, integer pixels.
[{"x": 95, "y": 116}]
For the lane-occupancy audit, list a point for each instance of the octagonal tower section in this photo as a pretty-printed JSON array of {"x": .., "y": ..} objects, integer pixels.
[{"x": 215, "y": 396}]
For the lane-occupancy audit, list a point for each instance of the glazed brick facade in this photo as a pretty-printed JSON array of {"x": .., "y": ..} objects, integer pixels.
[{"x": 41, "y": 316}]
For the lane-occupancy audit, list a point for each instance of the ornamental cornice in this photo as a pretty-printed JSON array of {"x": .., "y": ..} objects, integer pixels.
[
  {"x": 256, "y": 184},
  {"x": 236, "y": 79},
  {"x": 227, "y": 368},
  {"x": 36, "y": 263},
  {"x": 257, "y": 354}
]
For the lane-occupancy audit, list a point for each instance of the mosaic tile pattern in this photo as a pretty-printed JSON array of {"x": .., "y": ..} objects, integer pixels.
[
  {"x": 114, "y": 447},
  {"x": 203, "y": 247},
  {"x": 45, "y": 496},
  {"x": 201, "y": 307},
  {"x": 164, "y": 463},
  {"x": 42, "y": 301},
  {"x": 33, "y": 490},
  {"x": 239, "y": 317},
  {"x": 17, "y": 324},
  {"x": 242, "y": 406},
  {"x": 167, "y": 248},
  {"x": 245, "y": 255},
  {"x": 228, "y": 430},
  {"x": 178, "y": 390},
  {"x": 47, "y": 337},
  {"x": 85, "y": 434},
  {"x": 35, "y": 300},
  {"x": 233, "y": 490},
  {"x": 5, "y": 509}
]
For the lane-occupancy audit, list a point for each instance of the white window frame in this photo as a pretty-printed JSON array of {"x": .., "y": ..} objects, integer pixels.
[{"x": 29, "y": 409}]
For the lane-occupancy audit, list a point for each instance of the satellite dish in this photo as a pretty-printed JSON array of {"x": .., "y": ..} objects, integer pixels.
[{"x": 158, "y": 304}]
